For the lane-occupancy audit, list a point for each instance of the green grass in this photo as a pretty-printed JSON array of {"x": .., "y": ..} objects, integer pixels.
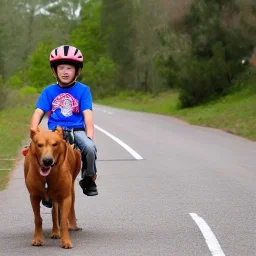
[
  {"x": 14, "y": 127},
  {"x": 235, "y": 113}
]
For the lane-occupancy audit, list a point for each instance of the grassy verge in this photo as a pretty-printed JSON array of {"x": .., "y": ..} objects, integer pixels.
[
  {"x": 234, "y": 113},
  {"x": 14, "y": 127}
]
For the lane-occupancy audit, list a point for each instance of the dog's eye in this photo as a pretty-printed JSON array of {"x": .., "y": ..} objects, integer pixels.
[
  {"x": 40, "y": 145},
  {"x": 54, "y": 144}
]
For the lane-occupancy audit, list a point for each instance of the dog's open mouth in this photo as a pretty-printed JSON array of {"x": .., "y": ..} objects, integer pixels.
[{"x": 45, "y": 171}]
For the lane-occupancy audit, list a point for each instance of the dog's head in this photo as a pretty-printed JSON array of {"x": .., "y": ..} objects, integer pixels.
[{"x": 48, "y": 147}]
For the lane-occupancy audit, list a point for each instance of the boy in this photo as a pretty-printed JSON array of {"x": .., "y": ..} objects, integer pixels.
[{"x": 69, "y": 105}]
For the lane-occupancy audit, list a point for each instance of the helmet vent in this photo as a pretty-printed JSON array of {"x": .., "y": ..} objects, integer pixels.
[
  {"x": 56, "y": 51},
  {"x": 76, "y": 52},
  {"x": 66, "y": 47}
]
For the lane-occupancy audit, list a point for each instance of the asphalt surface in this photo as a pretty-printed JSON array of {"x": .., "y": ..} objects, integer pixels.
[{"x": 144, "y": 206}]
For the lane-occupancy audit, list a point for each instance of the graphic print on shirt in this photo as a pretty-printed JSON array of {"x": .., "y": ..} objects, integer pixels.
[{"x": 67, "y": 104}]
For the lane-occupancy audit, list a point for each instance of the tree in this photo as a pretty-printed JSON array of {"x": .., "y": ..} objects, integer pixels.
[
  {"x": 38, "y": 21},
  {"x": 117, "y": 26},
  {"x": 150, "y": 18},
  {"x": 87, "y": 35},
  {"x": 99, "y": 70},
  {"x": 213, "y": 59},
  {"x": 39, "y": 73}
]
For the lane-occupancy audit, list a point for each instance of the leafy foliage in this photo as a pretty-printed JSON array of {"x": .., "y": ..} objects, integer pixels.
[
  {"x": 28, "y": 90},
  {"x": 99, "y": 70},
  {"x": 146, "y": 46},
  {"x": 87, "y": 35},
  {"x": 213, "y": 59},
  {"x": 39, "y": 73},
  {"x": 117, "y": 26},
  {"x": 15, "y": 81},
  {"x": 100, "y": 76},
  {"x": 204, "y": 79}
]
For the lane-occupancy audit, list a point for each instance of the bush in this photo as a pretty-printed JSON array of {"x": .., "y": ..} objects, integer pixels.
[
  {"x": 100, "y": 76},
  {"x": 39, "y": 73},
  {"x": 15, "y": 82},
  {"x": 245, "y": 81},
  {"x": 28, "y": 90},
  {"x": 202, "y": 80}
]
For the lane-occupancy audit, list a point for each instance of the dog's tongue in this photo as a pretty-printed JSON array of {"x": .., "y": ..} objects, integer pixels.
[{"x": 45, "y": 171}]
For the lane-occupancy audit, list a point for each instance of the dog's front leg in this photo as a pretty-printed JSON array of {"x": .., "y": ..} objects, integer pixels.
[
  {"x": 65, "y": 209},
  {"x": 38, "y": 233},
  {"x": 72, "y": 215},
  {"x": 55, "y": 221}
]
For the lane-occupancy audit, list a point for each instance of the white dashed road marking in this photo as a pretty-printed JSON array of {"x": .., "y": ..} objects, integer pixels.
[
  {"x": 121, "y": 143},
  {"x": 210, "y": 238}
]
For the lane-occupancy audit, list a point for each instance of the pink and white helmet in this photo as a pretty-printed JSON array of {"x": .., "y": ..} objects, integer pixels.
[{"x": 66, "y": 54}]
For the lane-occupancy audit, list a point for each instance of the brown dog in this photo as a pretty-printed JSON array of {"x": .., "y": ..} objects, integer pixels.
[{"x": 53, "y": 162}]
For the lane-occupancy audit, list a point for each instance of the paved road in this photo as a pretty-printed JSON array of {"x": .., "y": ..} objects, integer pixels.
[{"x": 192, "y": 194}]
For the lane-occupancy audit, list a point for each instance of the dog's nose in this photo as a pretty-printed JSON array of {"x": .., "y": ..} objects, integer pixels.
[{"x": 47, "y": 161}]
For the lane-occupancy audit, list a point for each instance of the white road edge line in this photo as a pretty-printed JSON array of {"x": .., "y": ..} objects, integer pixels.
[
  {"x": 210, "y": 238},
  {"x": 121, "y": 143},
  {"x": 104, "y": 111},
  {"x": 108, "y": 112}
]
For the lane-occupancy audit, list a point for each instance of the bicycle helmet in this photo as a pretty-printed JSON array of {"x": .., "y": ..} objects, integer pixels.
[{"x": 66, "y": 54}]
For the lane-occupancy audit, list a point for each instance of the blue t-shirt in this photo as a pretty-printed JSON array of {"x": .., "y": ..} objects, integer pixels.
[{"x": 65, "y": 105}]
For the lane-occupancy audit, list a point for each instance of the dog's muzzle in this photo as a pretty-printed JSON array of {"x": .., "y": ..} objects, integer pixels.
[{"x": 45, "y": 169}]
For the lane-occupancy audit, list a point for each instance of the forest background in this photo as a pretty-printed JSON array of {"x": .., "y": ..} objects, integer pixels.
[{"x": 186, "y": 58}]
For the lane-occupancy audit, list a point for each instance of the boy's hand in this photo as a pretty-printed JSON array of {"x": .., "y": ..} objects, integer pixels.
[{"x": 36, "y": 119}]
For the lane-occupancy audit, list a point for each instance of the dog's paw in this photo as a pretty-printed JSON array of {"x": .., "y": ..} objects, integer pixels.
[
  {"x": 55, "y": 236},
  {"x": 37, "y": 242},
  {"x": 66, "y": 244},
  {"x": 74, "y": 228}
]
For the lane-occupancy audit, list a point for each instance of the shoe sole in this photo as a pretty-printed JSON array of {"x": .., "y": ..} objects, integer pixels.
[
  {"x": 90, "y": 193},
  {"x": 47, "y": 204}
]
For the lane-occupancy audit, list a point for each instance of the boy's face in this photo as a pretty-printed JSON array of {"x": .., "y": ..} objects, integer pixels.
[{"x": 66, "y": 73}]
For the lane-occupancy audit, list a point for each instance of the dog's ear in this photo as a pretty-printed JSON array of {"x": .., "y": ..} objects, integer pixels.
[
  {"x": 33, "y": 133},
  {"x": 59, "y": 130}
]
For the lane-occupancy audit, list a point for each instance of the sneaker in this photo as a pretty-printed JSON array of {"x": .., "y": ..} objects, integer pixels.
[
  {"x": 45, "y": 210},
  {"x": 47, "y": 204},
  {"x": 89, "y": 186}
]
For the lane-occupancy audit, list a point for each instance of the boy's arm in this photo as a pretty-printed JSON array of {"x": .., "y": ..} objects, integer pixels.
[
  {"x": 36, "y": 118},
  {"x": 89, "y": 124}
]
